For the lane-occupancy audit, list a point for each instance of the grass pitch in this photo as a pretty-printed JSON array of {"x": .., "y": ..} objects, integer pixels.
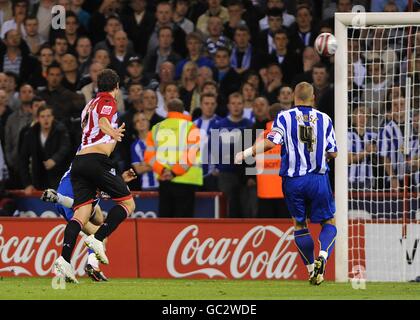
[{"x": 146, "y": 289}]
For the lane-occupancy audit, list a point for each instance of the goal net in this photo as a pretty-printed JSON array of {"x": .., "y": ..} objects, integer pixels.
[{"x": 382, "y": 95}]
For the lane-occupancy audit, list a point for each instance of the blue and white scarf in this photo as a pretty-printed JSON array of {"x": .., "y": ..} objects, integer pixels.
[{"x": 246, "y": 60}]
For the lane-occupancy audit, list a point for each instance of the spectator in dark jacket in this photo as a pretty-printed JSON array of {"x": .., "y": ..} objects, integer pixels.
[
  {"x": 138, "y": 23},
  {"x": 228, "y": 79},
  {"x": 15, "y": 57},
  {"x": 66, "y": 104},
  {"x": 47, "y": 146},
  {"x": 304, "y": 31},
  {"x": 163, "y": 53},
  {"x": 285, "y": 57}
]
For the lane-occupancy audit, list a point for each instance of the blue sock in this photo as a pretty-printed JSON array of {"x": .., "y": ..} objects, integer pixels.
[
  {"x": 327, "y": 240},
  {"x": 90, "y": 251},
  {"x": 305, "y": 244}
]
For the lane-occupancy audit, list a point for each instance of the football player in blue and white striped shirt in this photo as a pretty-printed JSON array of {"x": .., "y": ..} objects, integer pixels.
[
  {"x": 308, "y": 140},
  {"x": 361, "y": 148},
  {"x": 147, "y": 177}
]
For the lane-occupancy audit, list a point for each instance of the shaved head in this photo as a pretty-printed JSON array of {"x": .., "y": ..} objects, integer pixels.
[{"x": 304, "y": 94}]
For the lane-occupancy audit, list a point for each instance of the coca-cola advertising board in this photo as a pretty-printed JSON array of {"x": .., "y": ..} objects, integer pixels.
[
  {"x": 221, "y": 249},
  {"x": 163, "y": 248},
  {"x": 29, "y": 247}
]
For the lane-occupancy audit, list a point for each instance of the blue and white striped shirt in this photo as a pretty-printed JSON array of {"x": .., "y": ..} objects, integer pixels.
[
  {"x": 307, "y": 135},
  {"x": 148, "y": 180},
  {"x": 391, "y": 145},
  {"x": 361, "y": 171},
  {"x": 205, "y": 125}
]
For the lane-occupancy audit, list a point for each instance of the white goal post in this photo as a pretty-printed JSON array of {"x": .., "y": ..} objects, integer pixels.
[{"x": 344, "y": 21}]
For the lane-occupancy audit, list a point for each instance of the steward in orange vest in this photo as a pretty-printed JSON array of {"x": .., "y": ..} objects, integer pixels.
[{"x": 271, "y": 202}]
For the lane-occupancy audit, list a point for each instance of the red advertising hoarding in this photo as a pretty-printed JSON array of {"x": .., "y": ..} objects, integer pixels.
[
  {"x": 163, "y": 248},
  {"x": 221, "y": 249},
  {"x": 29, "y": 247}
]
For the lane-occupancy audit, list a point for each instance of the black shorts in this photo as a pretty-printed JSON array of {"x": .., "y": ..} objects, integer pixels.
[{"x": 93, "y": 171}]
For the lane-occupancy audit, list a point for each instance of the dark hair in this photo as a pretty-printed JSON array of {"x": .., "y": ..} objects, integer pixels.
[
  {"x": 303, "y": 6},
  {"x": 108, "y": 80},
  {"x": 224, "y": 49},
  {"x": 70, "y": 14},
  {"x": 243, "y": 28},
  {"x": 37, "y": 99},
  {"x": 112, "y": 17},
  {"x": 13, "y": 75},
  {"x": 31, "y": 17},
  {"x": 166, "y": 28},
  {"x": 54, "y": 65},
  {"x": 175, "y": 105},
  {"x": 133, "y": 83},
  {"x": 232, "y": 3},
  {"x": 45, "y": 45},
  {"x": 43, "y": 108},
  {"x": 81, "y": 38},
  {"x": 281, "y": 31},
  {"x": 208, "y": 95},
  {"x": 320, "y": 65},
  {"x": 15, "y": 3},
  {"x": 62, "y": 37},
  {"x": 275, "y": 12}
]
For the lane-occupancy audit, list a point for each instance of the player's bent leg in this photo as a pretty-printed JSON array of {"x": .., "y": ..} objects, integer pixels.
[
  {"x": 116, "y": 215},
  {"x": 98, "y": 217},
  {"x": 327, "y": 241},
  {"x": 305, "y": 245},
  {"x": 76, "y": 224}
]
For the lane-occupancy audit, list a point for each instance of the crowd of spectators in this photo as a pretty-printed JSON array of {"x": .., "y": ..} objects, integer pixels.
[{"x": 228, "y": 61}]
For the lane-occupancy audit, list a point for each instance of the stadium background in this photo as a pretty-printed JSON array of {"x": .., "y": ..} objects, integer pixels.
[{"x": 266, "y": 69}]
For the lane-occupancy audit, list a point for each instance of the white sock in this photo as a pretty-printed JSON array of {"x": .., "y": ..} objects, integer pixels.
[
  {"x": 310, "y": 267},
  {"x": 93, "y": 261},
  {"x": 65, "y": 201},
  {"x": 323, "y": 254}
]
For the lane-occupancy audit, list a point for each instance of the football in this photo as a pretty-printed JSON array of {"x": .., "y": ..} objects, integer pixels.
[{"x": 326, "y": 44}]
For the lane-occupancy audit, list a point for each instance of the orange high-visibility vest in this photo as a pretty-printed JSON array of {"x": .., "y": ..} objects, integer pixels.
[{"x": 269, "y": 183}]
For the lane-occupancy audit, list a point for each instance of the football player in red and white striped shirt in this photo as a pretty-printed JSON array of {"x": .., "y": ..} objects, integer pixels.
[{"x": 92, "y": 169}]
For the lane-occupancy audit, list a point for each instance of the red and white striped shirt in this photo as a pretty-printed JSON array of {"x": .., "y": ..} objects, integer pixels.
[{"x": 103, "y": 106}]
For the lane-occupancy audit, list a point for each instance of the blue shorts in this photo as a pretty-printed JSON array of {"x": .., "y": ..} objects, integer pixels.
[
  {"x": 65, "y": 188},
  {"x": 309, "y": 196}
]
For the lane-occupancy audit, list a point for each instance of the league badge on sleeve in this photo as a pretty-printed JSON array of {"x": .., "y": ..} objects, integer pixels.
[{"x": 106, "y": 110}]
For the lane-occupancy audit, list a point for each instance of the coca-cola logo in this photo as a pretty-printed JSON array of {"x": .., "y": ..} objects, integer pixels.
[
  {"x": 17, "y": 254},
  {"x": 247, "y": 256}
]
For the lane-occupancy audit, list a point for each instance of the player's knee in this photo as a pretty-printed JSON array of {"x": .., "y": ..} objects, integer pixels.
[{"x": 130, "y": 205}]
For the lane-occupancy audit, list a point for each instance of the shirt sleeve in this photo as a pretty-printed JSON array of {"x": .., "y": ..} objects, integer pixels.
[
  {"x": 331, "y": 142},
  {"x": 277, "y": 132},
  {"x": 106, "y": 109}
]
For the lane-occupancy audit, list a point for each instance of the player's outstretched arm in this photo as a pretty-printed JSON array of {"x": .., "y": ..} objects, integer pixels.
[{"x": 260, "y": 146}]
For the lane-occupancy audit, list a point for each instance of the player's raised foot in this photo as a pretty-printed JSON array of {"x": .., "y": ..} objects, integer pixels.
[
  {"x": 64, "y": 269},
  {"x": 49, "y": 195},
  {"x": 98, "y": 247},
  {"x": 319, "y": 271},
  {"x": 95, "y": 274}
]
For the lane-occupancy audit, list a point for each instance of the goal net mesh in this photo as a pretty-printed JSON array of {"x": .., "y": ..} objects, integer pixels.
[{"x": 383, "y": 152}]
